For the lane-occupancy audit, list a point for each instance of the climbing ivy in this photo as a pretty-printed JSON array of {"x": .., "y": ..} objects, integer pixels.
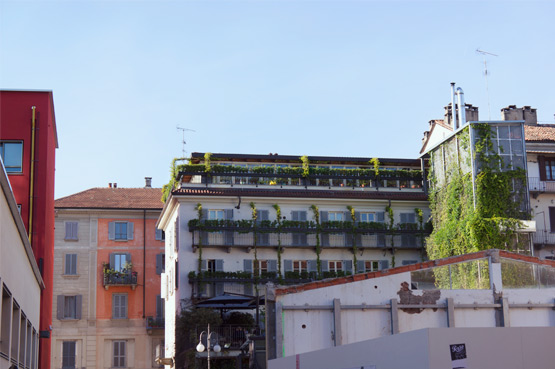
[
  {"x": 352, "y": 235},
  {"x": 471, "y": 217},
  {"x": 316, "y": 214},
  {"x": 279, "y": 225},
  {"x": 174, "y": 173}
]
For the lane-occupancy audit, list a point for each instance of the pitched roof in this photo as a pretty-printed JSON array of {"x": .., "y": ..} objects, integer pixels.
[
  {"x": 252, "y": 192},
  {"x": 494, "y": 253},
  {"x": 540, "y": 133},
  {"x": 113, "y": 198}
]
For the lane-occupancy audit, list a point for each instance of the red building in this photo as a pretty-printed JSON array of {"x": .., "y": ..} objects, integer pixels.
[{"x": 28, "y": 142}]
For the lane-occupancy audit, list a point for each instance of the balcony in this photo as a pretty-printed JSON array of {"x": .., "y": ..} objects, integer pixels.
[
  {"x": 544, "y": 238},
  {"x": 154, "y": 323},
  {"x": 297, "y": 177},
  {"x": 123, "y": 278},
  {"x": 229, "y": 337},
  {"x": 536, "y": 186},
  {"x": 294, "y": 234}
]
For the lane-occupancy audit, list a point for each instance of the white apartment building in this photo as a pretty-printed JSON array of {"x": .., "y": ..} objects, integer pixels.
[
  {"x": 234, "y": 222},
  {"x": 20, "y": 286}
]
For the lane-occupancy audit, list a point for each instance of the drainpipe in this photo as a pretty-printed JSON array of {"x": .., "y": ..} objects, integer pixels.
[
  {"x": 144, "y": 261},
  {"x": 32, "y": 172}
]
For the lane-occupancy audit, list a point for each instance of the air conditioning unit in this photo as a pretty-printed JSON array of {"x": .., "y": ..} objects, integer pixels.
[{"x": 160, "y": 359}]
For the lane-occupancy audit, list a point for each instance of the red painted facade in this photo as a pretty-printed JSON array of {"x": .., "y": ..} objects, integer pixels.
[{"x": 16, "y": 125}]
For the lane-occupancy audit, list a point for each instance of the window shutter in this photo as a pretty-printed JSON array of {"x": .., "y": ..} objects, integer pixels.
[
  {"x": 203, "y": 266},
  {"x": 404, "y": 218},
  {"x": 325, "y": 265},
  {"x": 129, "y": 230},
  {"x": 323, "y": 216},
  {"x": 347, "y": 217},
  {"x": 312, "y": 266},
  {"x": 112, "y": 230},
  {"x": 380, "y": 216},
  {"x": 295, "y": 215},
  {"x": 74, "y": 230},
  {"x": 204, "y": 214},
  {"x": 325, "y": 238},
  {"x": 219, "y": 265},
  {"x": 159, "y": 309},
  {"x": 158, "y": 234},
  {"x": 176, "y": 228},
  {"x": 272, "y": 266},
  {"x": 381, "y": 239},
  {"x": 127, "y": 257},
  {"x": 229, "y": 214},
  {"x": 68, "y": 231},
  {"x": 60, "y": 307},
  {"x": 287, "y": 265},
  {"x": 384, "y": 264},
  {"x": 112, "y": 260},
  {"x": 263, "y": 215},
  {"x": 115, "y": 306},
  {"x": 302, "y": 216},
  {"x": 348, "y": 239},
  {"x": 360, "y": 266},
  {"x": 78, "y": 306},
  {"x": 541, "y": 164},
  {"x": 357, "y": 216},
  {"x": 177, "y": 274},
  {"x": 247, "y": 265},
  {"x": 348, "y": 266},
  {"x": 159, "y": 263}
]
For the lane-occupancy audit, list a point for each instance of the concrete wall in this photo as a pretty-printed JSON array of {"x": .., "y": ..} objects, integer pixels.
[{"x": 491, "y": 348}]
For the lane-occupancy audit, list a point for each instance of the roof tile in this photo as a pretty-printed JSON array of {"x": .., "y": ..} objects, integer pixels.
[{"x": 113, "y": 198}]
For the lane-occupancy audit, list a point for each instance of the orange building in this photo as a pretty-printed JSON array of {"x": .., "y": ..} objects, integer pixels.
[{"x": 108, "y": 262}]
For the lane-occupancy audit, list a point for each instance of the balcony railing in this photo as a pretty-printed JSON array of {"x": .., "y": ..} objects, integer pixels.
[
  {"x": 544, "y": 238},
  {"x": 114, "y": 278},
  {"x": 155, "y": 322},
  {"x": 229, "y": 337},
  {"x": 295, "y": 176},
  {"x": 535, "y": 184},
  {"x": 377, "y": 239}
]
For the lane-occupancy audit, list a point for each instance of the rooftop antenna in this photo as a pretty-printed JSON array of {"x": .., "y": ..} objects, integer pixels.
[
  {"x": 484, "y": 53},
  {"x": 183, "y": 140}
]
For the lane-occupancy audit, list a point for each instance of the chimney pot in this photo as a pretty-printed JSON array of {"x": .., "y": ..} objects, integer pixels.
[
  {"x": 115, "y": 185},
  {"x": 110, "y": 185},
  {"x": 148, "y": 182}
]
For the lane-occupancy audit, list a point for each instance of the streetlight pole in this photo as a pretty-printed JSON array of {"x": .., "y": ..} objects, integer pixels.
[{"x": 200, "y": 347}]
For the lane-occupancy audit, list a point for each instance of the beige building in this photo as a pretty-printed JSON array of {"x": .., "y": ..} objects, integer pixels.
[
  {"x": 20, "y": 286},
  {"x": 107, "y": 264}
]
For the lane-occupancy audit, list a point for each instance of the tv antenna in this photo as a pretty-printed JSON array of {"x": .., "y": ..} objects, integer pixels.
[
  {"x": 484, "y": 54},
  {"x": 183, "y": 140}
]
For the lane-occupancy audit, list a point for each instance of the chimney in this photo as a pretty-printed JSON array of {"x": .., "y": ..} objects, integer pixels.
[
  {"x": 526, "y": 113},
  {"x": 110, "y": 185},
  {"x": 115, "y": 185},
  {"x": 148, "y": 182}
]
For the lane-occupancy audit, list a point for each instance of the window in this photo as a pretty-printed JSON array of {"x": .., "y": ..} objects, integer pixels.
[
  {"x": 120, "y": 262},
  {"x": 69, "y": 307},
  {"x": 335, "y": 216},
  {"x": 370, "y": 266},
  {"x": 550, "y": 169},
  {"x": 119, "y": 306},
  {"x": 335, "y": 266},
  {"x": 215, "y": 215},
  {"x": 71, "y": 231},
  {"x": 68, "y": 355},
  {"x": 120, "y": 231},
  {"x": 12, "y": 156},
  {"x": 70, "y": 264},
  {"x": 260, "y": 266},
  {"x": 119, "y": 354},
  {"x": 367, "y": 217},
  {"x": 300, "y": 266}
]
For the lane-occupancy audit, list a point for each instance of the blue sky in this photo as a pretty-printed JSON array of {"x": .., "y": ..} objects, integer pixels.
[{"x": 345, "y": 78}]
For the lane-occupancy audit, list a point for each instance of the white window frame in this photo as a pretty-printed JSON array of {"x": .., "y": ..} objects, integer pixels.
[
  {"x": 70, "y": 307},
  {"x": 300, "y": 266},
  {"x": 259, "y": 267},
  {"x": 119, "y": 357},
  {"x": 117, "y": 314},
  {"x": 335, "y": 266},
  {"x": 120, "y": 236},
  {"x": 368, "y": 215},
  {"x": 371, "y": 266}
]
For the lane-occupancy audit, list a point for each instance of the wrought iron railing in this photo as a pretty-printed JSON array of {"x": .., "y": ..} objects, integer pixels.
[
  {"x": 229, "y": 337},
  {"x": 535, "y": 184},
  {"x": 114, "y": 278},
  {"x": 155, "y": 322}
]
